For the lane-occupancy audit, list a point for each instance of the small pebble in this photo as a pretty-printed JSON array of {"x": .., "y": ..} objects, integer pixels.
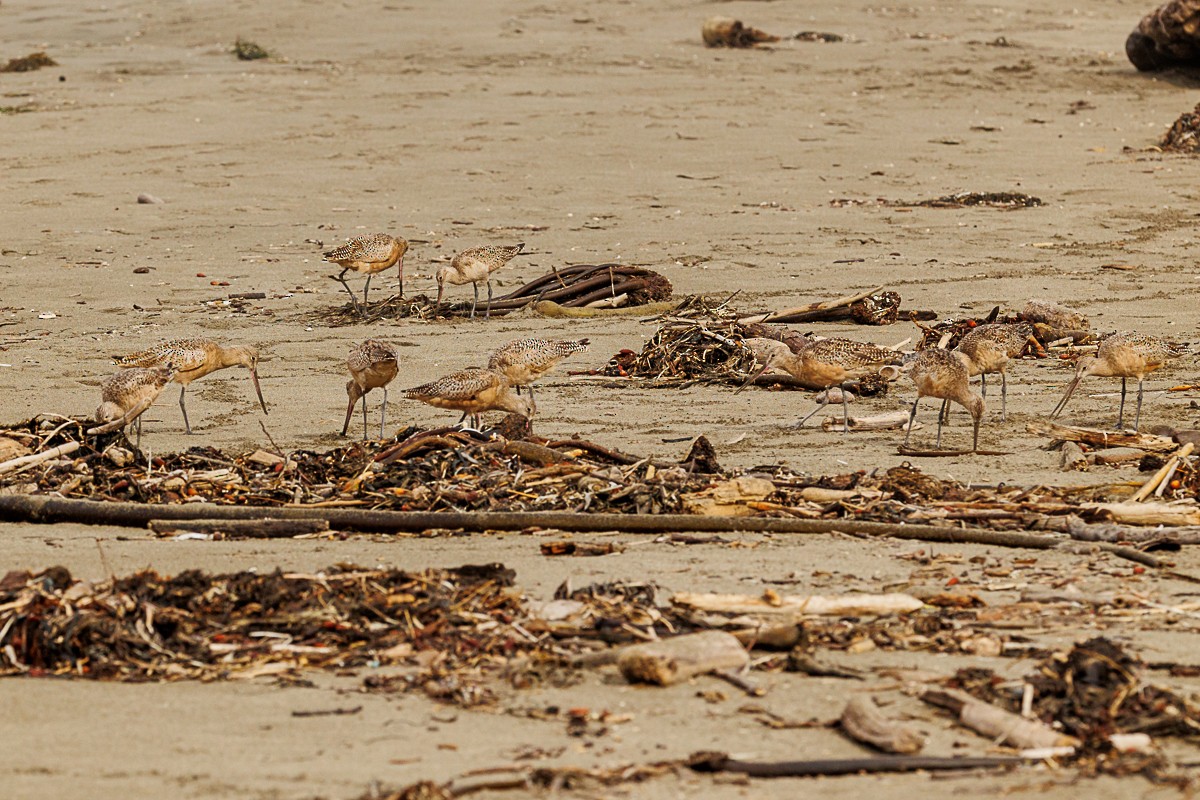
[{"x": 149, "y": 199}]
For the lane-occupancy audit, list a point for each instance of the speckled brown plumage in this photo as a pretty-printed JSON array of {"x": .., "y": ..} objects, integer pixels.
[
  {"x": 946, "y": 375},
  {"x": 1123, "y": 355},
  {"x": 989, "y": 348},
  {"x": 472, "y": 391},
  {"x": 474, "y": 265},
  {"x": 193, "y": 359},
  {"x": 372, "y": 365},
  {"x": 1057, "y": 319},
  {"x": 124, "y": 391},
  {"x": 523, "y": 361},
  {"x": 368, "y": 255}
]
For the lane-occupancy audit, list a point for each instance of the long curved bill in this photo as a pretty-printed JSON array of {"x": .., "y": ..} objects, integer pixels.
[
  {"x": 258, "y": 390},
  {"x": 1062, "y": 404},
  {"x": 753, "y": 378}
]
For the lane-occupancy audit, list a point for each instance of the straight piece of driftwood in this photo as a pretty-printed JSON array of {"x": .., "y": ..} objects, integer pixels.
[
  {"x": 669, "y": 661},
  {"x": 790, "y": 314},
  {"x": 265, "y": 528},
  {"x": 43, "y": 508},
  {"x": 863, "y": 721},
  {"x": 37, "y": 458},
  {"x": 1099, "y": 438},
  {"x": 1001, "y": 726},
  {"x": 1104, "y": 532},
  {"x": 836, "y": 605},
  {"x": 720, "y": 762}
]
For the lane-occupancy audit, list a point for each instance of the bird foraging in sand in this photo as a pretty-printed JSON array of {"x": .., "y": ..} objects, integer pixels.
[
  {"x": 473, "y": 391},
  {"x": 988, "y": 349},
  {"x": 824, "y": 364},
  {"x": 475, "y": 265},
  {"x": 372, "y": 364},
  {"x": 944, "y": 374},
  {"x": 195, "y": 358},
  {"x": 368, "y": 255},
  {"x": 131, "y": 392},
  {"x": 523, "y": 361},
  {"x": 1122, "y": 355}
]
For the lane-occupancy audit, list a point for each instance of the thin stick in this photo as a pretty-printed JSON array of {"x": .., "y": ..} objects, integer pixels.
[
  {"x": 822, "y": 306},
  {"x": 1158, "y": 477},
  {"x": 37, "y": 458}
]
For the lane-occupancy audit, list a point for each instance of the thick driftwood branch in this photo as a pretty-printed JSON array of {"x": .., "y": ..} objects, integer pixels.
[
  {"x": 265, "y": 528},
  {"x": 805, "y": 312},
  {"x": 864, "y": 722},
  {"x": 720, "y": 762},
  {"x": 679, "y": 658},
  {"x": 996, "y": 723},
  {"x": 1098, "y": 438},
  {"x": 1163, "y": 471},
  {"x": 1145, "y": 513},
  {"x": 838, "y": 605},
  {"x": 118, "y": 424},
  {"x": 43, "y": 508}
]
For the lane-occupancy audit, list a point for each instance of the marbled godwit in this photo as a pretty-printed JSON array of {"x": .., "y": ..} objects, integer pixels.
[
  {"x": 946, "y": 375},
  {"x": 473, "y": 391},
  {"x": 523, "y": 361},
  {"x": 372, "y": 364},
  {"x": 1122, "y": 355},
  {"x": 368, "y": 255},
  {"x": 128, "y": 389},
  {"x": 1052, "y": 320},
  {"x": 824, "y": 364},
  {"x": 475, "y": 265},
  {"x": 195, "y": 358},
  {"x": 988, "y": 349}
]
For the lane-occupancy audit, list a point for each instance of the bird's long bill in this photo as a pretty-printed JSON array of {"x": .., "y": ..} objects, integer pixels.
[
  {"x": 258, "y": 390},
  {"x": 1062, "y": 404},
  {"x": 752, "y": 378}
]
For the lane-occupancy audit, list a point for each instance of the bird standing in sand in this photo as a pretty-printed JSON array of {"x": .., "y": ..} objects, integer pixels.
[
  {"x": 195, "y": 358},
  {"x": 944, "y": 374},
  {"x": 372, "y": 364},
  {"x": 824, "y": 364},
  {"x": 1122, "y": 355},
  {"x": 475, "y": 265},
  {"x": 368, "y": 255},
  {"x": 988, "y": 349},
  {"x": 523, "y": 361},
  {"x": 473, "y": 391},
  {"x": 131, "y": 392}
]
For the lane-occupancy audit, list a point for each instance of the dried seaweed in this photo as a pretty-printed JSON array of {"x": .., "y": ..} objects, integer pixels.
[
  {"x": 1184, "y": 133},
  {"x": 247, "y": 50},
  {"x": 1002, "y": 200},
  {"x": 29, "y": 63}
]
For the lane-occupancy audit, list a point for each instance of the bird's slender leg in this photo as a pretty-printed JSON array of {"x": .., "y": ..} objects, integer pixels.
[
  {"x": 1137, "y": 417},
  {"x": 187, "y": 426},
  {"x": 462, "y": 419},
  {"x": 1121, "y": 410},
  {"x": 383, "y": 413},
  {"x": 983, "y": 384},
  {"x": 139, "y": 432},
  {"x": 341, "y": 278},
  {"x": 912, "y": 416},
  {"x": 364, "y": 408},
  {"x": 938, "y": 446},
  {"x": 402, "y": 276},
  {"x": 944, "y": 412},
  {"x": 845, "y": 409},
  {"x": 1003, "y": 396},
  {"x": 488, "y": 313},
  {"x": 365, "y": 288},
  {"x": 823, "y": 403},
  {"x": 975, "y": 438},
  {"x": 475, "y": 302}
]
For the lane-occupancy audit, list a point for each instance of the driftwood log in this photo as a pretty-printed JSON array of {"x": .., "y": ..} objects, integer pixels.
[
  {"x": 872, "y": 307},
  {"x": 997, "y": 724},
  {"x": 1098, "y": 438},
  {"x": 265, "y": 528},
  {"x": 864, "y": 722},
  {"x": 676, "y": 659},
  {"x": 1168, "y": 36},
  {"x": 721, "y": 762},
  {"x": 37, "y": 458},
  {"x": 836, "y": 605},
  {"x": 46, "y": 509}
]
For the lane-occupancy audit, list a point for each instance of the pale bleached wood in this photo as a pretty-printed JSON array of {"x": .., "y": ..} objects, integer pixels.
[
  {"x": 847, "y": 604},
  {"x": 672, "y": 660}
]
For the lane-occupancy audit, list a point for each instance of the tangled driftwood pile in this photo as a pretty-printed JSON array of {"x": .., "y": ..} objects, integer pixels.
[{"x": 576, "y": 286}]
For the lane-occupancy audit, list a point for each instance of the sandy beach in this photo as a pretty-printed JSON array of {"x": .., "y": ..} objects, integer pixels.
[{"x": 593, "y": 132}]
